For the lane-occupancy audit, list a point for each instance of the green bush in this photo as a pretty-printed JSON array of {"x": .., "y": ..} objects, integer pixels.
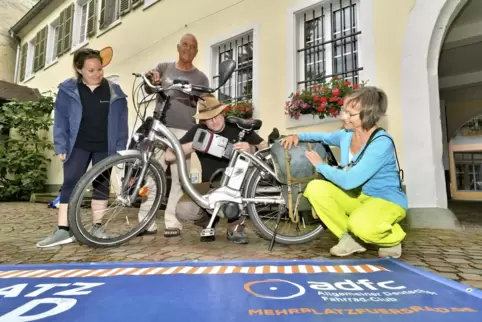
[{"x": 23, "y": 153}]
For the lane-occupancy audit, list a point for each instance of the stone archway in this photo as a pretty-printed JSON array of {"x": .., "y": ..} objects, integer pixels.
[{"x": 422, "y": 132}]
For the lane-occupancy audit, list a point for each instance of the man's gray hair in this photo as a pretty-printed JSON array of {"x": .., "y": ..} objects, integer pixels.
[{"x": 372, "y": 103}]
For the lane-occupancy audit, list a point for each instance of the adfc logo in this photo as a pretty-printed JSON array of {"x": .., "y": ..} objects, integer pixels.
[{"x": 275, "y": 289}]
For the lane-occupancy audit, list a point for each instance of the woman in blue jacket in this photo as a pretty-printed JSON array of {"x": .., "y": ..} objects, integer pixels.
[
  {"x": 364, "y": 198},
  {"x": 90, "y": 123}
]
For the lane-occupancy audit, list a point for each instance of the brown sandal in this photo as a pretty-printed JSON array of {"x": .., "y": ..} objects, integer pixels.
[{"x": 172, "y": 232}]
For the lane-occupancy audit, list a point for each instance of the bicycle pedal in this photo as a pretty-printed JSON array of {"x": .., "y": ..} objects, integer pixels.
[
  {"x": 206, "y": 232},
  {"x": 206, "y": 239}
]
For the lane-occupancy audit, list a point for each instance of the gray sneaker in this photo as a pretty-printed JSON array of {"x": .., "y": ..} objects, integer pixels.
[
  {"x": 346, "y": 246},
  {"x": 99, "y": 232},
  {"x": 58, "y": 237},
  {"x": 393, "y": 252}
]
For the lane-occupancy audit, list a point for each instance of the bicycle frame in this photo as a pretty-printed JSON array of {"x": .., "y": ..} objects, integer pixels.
[{"x": 160, "y": 134}]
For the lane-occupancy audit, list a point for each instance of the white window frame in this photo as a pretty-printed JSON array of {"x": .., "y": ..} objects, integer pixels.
[
  {"x": 366, "y": 44},
  {"x": 29, "y": 73},
  {"x": 327, "y": 32},
  {"x": 114, "y": 22},
  {"x": 80, "y": 24},
  {"x": 148, "y": 3},
  {"x": 253, "y": 31},
  {"x": 51, "y": 51}
]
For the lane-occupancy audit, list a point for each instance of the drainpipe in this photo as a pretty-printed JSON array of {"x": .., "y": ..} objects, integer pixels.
[{"x": 16, "y": 38}]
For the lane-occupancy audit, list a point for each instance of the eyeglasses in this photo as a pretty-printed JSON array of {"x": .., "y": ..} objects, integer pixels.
[
  {"x": 214, "y": 118},
  {"x": 348, "y": 115}
]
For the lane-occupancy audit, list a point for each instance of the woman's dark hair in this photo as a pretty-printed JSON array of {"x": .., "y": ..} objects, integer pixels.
[{"x": 81, "y": 55}]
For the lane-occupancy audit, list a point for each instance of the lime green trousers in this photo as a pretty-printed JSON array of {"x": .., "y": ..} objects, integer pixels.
[{"x": 373, "y": 220}]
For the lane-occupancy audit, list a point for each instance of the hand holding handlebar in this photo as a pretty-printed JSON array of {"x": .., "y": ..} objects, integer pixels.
[{"x": 182, "y": 86}]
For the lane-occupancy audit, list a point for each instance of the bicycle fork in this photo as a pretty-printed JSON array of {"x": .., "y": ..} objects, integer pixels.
[{"x": 146, "y": 153}]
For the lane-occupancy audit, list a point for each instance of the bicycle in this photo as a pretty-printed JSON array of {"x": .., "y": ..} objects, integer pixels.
[{"x": 239, "y": 190}]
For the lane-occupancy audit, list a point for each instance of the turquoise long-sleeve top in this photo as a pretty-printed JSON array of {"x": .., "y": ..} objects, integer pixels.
[{"x": 376, "y": 172}]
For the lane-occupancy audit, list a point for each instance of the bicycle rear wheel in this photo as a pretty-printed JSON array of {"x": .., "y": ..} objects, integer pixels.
[{"x": 154, "y": 184}]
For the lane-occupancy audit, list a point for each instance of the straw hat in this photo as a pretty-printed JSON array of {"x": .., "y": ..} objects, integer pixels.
[{"x": 209, "y": 108}]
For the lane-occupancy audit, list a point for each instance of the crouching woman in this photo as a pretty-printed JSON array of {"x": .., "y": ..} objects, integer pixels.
[{"x": 362, "y": 201}]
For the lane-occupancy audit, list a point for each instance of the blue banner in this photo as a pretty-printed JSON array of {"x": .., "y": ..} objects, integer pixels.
[{"x": 328, "y": 290}]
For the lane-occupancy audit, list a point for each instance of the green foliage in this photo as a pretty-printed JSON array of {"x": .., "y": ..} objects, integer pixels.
[{"x": 23, "y": 160}]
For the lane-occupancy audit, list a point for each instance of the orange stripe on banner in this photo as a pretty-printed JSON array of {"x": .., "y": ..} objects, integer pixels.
[{"x": 175, "y": 270}]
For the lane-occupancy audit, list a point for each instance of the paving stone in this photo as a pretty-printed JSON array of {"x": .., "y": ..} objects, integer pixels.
[
  {"x": 471, "y": 271},
  {"x": 471, "y": 277},
  {"x": 478, "y": 266},
  {"x": 451, "y": 276},
  {"x": 445, "y": 269},
  {"x": 440, "y": 264},
  {"x": 457, "y": 260}
]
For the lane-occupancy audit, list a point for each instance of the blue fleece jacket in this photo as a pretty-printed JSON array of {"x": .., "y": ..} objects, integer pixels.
[
  {"x": 68, "y": 114},
  {"x": 376, "y": 172}
]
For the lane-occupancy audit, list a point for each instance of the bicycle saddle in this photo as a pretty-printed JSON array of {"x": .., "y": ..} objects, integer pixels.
[{"x": 251, "y": 125}]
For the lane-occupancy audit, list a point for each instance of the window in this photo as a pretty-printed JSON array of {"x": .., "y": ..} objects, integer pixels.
[
  {"x": 147, "y": 3},
  {"x": 30, "y": 58},
  {"x": 240, "y": 86},
  {"x": 80, "y": 21},
  {"x": 53, "y": 34},
  {"x": 327, "y": 43},
  {"x": 468, "y": 170},
  {"x": 109, "y": 13}
]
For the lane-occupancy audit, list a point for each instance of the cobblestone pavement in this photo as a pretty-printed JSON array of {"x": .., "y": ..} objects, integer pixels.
[{"x": 455, "y": 255}]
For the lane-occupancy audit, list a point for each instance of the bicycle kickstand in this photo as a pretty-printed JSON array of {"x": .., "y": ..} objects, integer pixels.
[{"x": 282, "y": 211}]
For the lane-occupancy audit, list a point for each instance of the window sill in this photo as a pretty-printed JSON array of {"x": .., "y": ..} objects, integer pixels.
[
  {"x": 149, "y": 5},
  {"x": 110, "y": 27},
  {"x": 307, "y": 120},
  {"x": 53, "y": 62},
  {"x": 78, "y": 46},
  {"x": 29, "y": 78}
]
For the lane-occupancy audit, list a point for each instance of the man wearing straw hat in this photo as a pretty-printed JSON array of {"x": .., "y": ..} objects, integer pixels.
[{"x": 211, "y": 116}]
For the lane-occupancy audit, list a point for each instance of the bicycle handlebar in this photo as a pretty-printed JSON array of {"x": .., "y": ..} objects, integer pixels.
[{"x": 182, "y": 86}]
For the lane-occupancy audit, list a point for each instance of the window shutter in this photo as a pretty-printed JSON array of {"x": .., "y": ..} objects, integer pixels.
[
  {"x": 36, "y": 52},
  {"x": 102, "y": 14},
  {"x": 23, "y": 61},
  {"x": 91, "y": 18},
  {"x": 68, "y": 23},
  {"x": 42, "y": 47},
  {"x": 136, "y": 3},
  {"x": 60, "y": 35},
  {"x": 124, "y": 7}
]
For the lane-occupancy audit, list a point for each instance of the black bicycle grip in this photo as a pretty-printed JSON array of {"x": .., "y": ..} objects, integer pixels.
[{"x": 202, "y": 89}]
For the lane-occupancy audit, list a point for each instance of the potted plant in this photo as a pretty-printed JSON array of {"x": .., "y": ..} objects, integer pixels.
[
  {"x": 242, "y": 109},
  {"x": 323, "y": 99}
]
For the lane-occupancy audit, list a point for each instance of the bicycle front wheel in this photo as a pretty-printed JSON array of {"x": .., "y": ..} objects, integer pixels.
[{"x": 97, "y": 190}]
